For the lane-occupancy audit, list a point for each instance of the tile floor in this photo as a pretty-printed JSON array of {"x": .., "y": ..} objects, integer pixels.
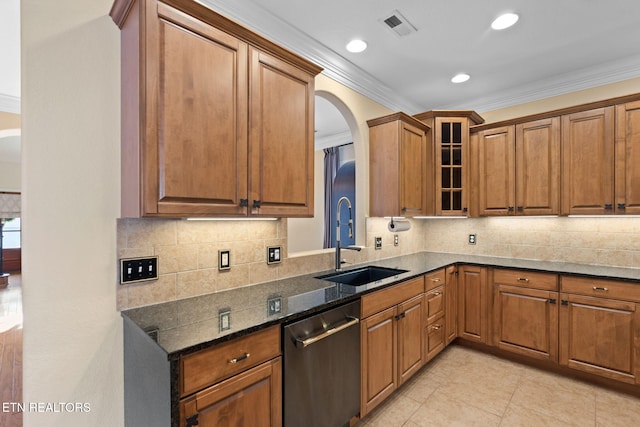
[
  {"x": 463, "y": 387},
  {"x": 11, "y": 349}
]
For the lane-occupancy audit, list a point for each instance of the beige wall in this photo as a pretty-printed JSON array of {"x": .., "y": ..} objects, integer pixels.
[{"x": 70, "y": 110}]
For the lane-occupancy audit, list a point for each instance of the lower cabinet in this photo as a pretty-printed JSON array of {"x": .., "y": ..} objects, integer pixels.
[
  {"x": 473, "y": 293},
  {"x": 391, "y": 340},
  {"x": 252, "y": 398},
  {"x": 451, "y": 302},
  {"x": 601, "y": 335},
  {"x": 525, "y": 313},
  {"x": 237, "y": 383}
]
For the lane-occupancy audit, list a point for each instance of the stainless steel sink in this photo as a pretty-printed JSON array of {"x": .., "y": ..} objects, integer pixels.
[{"x": 362, "y": 276}]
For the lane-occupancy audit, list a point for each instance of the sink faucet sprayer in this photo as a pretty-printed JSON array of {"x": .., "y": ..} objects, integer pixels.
[{"x": 338, "y": 247}]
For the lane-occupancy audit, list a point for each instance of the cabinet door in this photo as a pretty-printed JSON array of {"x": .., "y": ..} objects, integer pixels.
[
  {"x": 379, "y": 359},
  {"x": 413, "y": 173},
  {"x": 600, "y": 336},
  {"x": 451, "y": 148},
  {"x": 472, "y": 303},
  {"x": 538, "y": 167},
  {"x": 451, "y": 303},
  {"x": 252, "y": 398},
  {"x": 587, "y": 162},
  {"x": 281, "y": 138},
  {"x": 525, "y": 321},
  {"x": 496, "y": 170},
  {"x": 410, "y": 328},
  {"x": 628, "y": 158},
  {"x": 195, "y": 144}
]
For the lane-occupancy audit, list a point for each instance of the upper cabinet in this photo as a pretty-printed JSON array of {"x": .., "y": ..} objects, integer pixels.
[
  {"x": 628, "y": 158},
  {"x": 519, "y": 169},
  {"x": 588, "y": 162},
  {"x": 216, "y": 120},
  {"x": 400, "y": 171},
  {"x": 450, "y": 141}
]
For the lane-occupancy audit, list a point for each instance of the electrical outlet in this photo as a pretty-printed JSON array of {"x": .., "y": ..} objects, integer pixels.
[
  {"x": 224, "y": 259},
  {"x": 378, "y": 241},
  {"x": 224, "y": 322},
  {"x": 274, "y": 254},
  {"x": 274, "y": 306},
  {"x": 138, "y": 269},
  {"x": 472, "y": 239},
  {"x": 395, "y": 240}
]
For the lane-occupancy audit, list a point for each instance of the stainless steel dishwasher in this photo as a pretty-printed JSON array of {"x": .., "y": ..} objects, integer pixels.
[{"x": 322, "y": 368}]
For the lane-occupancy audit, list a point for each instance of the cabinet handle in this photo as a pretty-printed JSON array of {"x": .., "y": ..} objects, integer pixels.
[
  {"x": 401, "y": 316},
  {"x": 436, "y": 293},
  {"x": 520, "y": 208},
  {"x": 510, "y": 208},
  {"x": 256, "y": 204},
  {"x": 192, "y": 420},
  {"x": 598, "y": 288},
  {"x": 552, "y": 300},
  {"x": 240, "y": 358},
  {"x": 244, "y": 203},
  {"x": 435, "y": 280},
  {"x": 608, "y": 206},
  {"x": 621, "y": 206},
  {"x": 436, "y": 327},
  {"x": 522, "y": 279}
]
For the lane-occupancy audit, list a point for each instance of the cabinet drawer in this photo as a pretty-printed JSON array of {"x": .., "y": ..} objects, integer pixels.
[
  {"x": 435, "y": 338},
  {"x": 434, "y": 279},
  {"x": 526, "y": 279},
  {"x": 394, "y": 295},
  {"x": 434, "y": 304},
  {"x": 208, "y": 366},
  {"x": 601, "y": 288}
]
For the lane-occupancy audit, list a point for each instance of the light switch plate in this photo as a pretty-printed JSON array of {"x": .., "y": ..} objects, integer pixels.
[
  {"x": 378, "y": 244},
  {"x": 274, "y": 305},
  {"x": 224, "y": 321},
  {"x": 138, "y": 269},
  {"x": 274, "y": 254},
  {"x": 224, "y": 259}
]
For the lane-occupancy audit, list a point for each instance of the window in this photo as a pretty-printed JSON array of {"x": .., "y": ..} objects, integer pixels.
[{"x": 11, "y": 233}]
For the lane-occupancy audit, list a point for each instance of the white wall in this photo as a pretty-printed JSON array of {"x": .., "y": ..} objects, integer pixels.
[{"x": 70, "y": 178}]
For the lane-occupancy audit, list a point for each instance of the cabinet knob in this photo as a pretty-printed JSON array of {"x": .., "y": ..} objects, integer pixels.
[
  {"x": 192, "y": 420},
  {"x": 520, "y": 208},
  {"x": 621, "y": 206},
  {"x": 608, "y": 206},
  {"x": 244, "y": 203},
  {"x": 256, "y": 204}
]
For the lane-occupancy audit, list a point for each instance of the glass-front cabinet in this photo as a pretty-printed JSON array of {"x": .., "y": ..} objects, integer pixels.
[{"x": 451, "y": 155}]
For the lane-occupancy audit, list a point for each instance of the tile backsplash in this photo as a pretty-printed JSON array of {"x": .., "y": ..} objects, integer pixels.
[
  {"x": 188, "y": 250},
  {"x": 188, "y": 255}
]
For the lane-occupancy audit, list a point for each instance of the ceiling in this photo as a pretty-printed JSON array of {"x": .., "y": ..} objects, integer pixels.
[{"x": 557, "y": 46}]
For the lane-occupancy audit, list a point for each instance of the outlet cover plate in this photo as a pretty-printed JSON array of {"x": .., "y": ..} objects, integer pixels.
[
  {"x": 274, "y": 254},
  {"x": 472, "y": 239},
  {"x": 224, "y": 259},
  {"x": 274, "y": 306},
  {"x": 224, "y": 321},
  {"x": 378, "y": 244}
]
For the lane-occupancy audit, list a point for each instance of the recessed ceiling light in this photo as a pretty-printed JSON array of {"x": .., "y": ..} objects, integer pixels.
[
  {"x": 460, "y": 78},
  {"x": 356, "y": 46},
  {"x": 504, "y": 21}
]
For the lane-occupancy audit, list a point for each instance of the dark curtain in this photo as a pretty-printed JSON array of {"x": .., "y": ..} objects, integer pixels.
[{"x": 331, "y": 163}]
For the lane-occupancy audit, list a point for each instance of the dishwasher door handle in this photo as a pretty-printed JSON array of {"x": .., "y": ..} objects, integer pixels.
[{"x": 302, "y": 343}]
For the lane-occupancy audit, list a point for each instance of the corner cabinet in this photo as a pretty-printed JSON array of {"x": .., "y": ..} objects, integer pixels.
[
  {"x": 216, "y": 120},
  {"x": 399, "y": 167},
  {"x": 450, "y": 139}
]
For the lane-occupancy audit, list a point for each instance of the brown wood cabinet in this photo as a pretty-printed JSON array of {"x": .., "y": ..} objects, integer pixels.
[
  {"x": 450, "y": 138},
  {"x": 588, "y": 162},
  {"x": 236, "y": 383},
  {"x": 399, "y": 167},
  {"x": 600, "y": 334},
  {"x": 216, "y": 120},
  {"x": 628, "y": 158},
  {"x": 473, "y": 299},
  {"x": 391, "y": 340},
  {"x": 451, "y": 302},
  {"x": 525, "y": 313},
  {"x": 252, "y": 398},
  {"x": 519, "y": 169}
]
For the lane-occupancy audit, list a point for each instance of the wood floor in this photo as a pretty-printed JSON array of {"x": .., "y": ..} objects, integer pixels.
[{"x": 11, "y": 351}]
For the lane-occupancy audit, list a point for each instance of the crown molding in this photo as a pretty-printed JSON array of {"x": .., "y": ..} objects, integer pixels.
[
  {"x": 9, "y": 104},
  {"x": 608, "y": 73},
  {"x": 335, "y": 66}
]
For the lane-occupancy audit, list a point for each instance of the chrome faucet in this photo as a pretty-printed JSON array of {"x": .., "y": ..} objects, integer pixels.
[{"x": 338, "y": 247}]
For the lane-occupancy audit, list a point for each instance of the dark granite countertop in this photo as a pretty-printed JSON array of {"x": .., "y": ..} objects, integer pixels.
[{"x": 188, "y": 325}]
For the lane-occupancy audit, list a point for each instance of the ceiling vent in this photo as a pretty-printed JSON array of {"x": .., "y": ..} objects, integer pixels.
[{"x": 398, "y": 24}]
